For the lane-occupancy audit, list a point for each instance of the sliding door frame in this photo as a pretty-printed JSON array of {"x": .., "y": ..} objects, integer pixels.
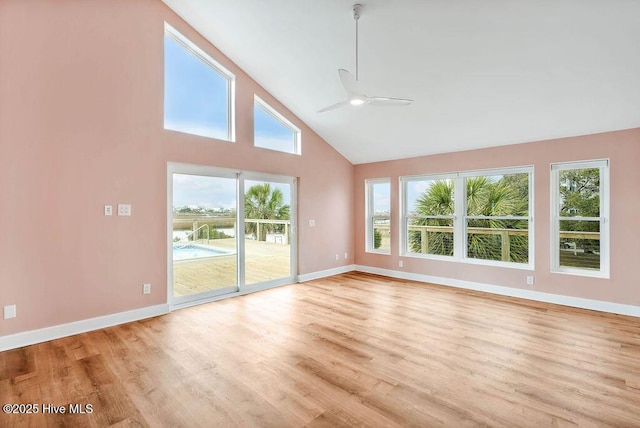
[
  {"x": 293, "y": 229},
  {"x": 240, "y": 288}
]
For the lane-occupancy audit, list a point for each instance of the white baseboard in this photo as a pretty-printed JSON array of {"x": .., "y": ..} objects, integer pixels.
[
  {"x": 576, "y": 302},
  {"x": 19, "y": 340},
  {"x": 325, "y": 273}
]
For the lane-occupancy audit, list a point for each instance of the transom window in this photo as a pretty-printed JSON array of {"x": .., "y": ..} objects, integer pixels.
[
  {"x": 580, "y": 212},
  {"x": 378, "y": 206},
  {"x": 477, "y": 216},
  {"x": 198, "y": 91},
  {"x": 273, "y": 131}
]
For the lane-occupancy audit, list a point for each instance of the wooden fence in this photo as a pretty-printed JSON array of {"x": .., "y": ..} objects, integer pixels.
[
  {"x": 194, "y": 223},
  {"x": 505, "y": 235}
]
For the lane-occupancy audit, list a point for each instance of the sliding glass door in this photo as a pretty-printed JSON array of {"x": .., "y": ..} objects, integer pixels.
[
  {"x": 228, "y": 232},
  {"x": 203, "y": 238},
  {"x": 267, "y": 238}
]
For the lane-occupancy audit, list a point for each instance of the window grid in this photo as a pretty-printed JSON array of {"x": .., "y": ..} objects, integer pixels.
[
  {"x": 428, "y": 234},
  {"x": 580, "y": 252},
  {"x": 425, "y": 230},
  {"x": 373, "y": 241},
  {"x": 460, "y": 223},
  {"x": 500, "y": 237}
]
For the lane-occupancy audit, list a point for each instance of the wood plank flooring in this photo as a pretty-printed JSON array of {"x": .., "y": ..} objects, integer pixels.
[{"x": 349, "y": 350}]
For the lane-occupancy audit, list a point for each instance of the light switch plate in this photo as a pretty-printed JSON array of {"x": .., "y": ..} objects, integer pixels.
[
  {"x": 124, "y": 209},
  {"x": 312, "y": 223},
  {"x": 108, "y": 210},
  {"x": 9, "y": 311}
]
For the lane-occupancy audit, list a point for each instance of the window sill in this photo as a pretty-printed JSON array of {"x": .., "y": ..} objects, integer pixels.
[
  {"x": 384, "y": 253},
  {"x": 582, "y": 273},
  {"x": 508, "y": 265}
]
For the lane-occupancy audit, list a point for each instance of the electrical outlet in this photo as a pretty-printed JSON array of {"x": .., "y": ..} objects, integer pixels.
[
  {"x": 337, "y": 256},
  {"x": 146, "y": 289},
  {"x": 529, "y": 280},
  {"x": 9, "y": 311},
  {"x": 312, "y": 223},
  {"x": 124, "y": 209},
  {"x": 401, "y": 263},
  {"x": 346, "y": 256},
  {"x": 108, "y": 210}
]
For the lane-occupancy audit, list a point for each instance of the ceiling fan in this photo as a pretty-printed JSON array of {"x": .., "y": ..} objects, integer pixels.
[{"x": 355, "y": 97}]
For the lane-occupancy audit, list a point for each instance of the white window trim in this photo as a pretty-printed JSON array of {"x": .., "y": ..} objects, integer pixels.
[
  {"x": 405, "y": 216},
  {"x": 297, "y": 133},
  {"x": 530, "y": 230},
  {"x": 370, "y": 217},
  {"x": 603, "y": 166},
  {"x": 459, "y": 222},
  {"x": 179, "y": 38}
]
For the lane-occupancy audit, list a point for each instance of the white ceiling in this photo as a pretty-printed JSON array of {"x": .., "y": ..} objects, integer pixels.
[{"x": 482, "y": 72}]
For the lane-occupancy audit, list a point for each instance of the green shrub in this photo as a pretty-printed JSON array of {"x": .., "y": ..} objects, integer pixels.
[
  {"x": 377, "y": 238},
  {"x": 217, "y": 234}
]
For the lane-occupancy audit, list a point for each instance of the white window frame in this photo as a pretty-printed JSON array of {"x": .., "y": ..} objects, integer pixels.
[
  {"x": 460, "y": 218},
  {"x": 370, "y": 216},
  {"x": 187, "y": 44},
  {"x": 406, "y": 217},
  {"x": 240, "y": 288},
  {"x": 530, "y": 230},
  {"x": 603, "y": 165},
  {"x": 297, "y": 133}
]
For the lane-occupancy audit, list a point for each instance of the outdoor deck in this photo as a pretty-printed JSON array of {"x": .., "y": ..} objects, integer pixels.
[{"x": 264, "y": 261}]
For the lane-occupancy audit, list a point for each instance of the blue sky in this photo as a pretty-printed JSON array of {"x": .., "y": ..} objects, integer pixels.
[
  {"x": 269, "y": 132},
  {"x": 195, "y": 102},
  {"x": 381, "y": 198},
  {"x": 194, "y": 94},
  {"x": 213, "y": 192}
]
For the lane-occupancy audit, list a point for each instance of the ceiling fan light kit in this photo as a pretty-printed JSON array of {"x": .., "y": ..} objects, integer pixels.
[{"x": 355, "y": 97}]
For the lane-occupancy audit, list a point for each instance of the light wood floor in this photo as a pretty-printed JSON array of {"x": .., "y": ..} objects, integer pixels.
[{"x": 349, "y": 350}]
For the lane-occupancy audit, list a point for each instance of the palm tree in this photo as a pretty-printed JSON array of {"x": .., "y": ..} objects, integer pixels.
[
  {"x": 266, "y": 203},
  {"x": 498, "y": 199},
  {"x": 485, "y": 197},
  {"x": 438, "y": 200}
]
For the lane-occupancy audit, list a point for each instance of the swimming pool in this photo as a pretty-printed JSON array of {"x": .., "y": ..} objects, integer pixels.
[{"x": 196, "y": 251}]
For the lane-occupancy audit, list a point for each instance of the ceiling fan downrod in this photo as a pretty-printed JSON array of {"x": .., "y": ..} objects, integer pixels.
[
  {"x": 356, "y": 16},
  {"x": 355, "y": 96}
]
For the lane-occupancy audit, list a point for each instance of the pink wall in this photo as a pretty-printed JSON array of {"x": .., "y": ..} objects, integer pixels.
[
  {"x": 81, "y": 126},
  {"x": 623, "y": 150}
]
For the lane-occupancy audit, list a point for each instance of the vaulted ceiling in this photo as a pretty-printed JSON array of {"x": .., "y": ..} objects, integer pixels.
[{"x": 482, "y": 72}]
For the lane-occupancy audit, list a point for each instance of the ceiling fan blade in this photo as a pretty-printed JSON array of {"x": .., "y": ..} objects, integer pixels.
[
  {"x": 389, "y": 102},
  {"x": 334, "y": 106},
  {"x": 349, "y": 82}
]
